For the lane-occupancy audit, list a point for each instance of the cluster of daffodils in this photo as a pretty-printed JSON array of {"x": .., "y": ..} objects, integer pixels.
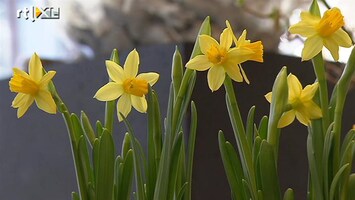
[{"x": 164, "y": 171}]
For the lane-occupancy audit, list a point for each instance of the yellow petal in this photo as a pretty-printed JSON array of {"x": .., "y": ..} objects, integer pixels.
[
  {"x": 306, "y": 27},
  {"x": 28, "y": 100},
  {"x": 206, "y": 42},
  {"x": 303, "y": 119},
  {"x": 307, "y": 16},
  {"x": 46, "y": 78},
  {"x": 22, "y": 73},
  {"x": 333, "y": 47},
  {"x": 131, "y": 64},
  {"x": 230, "y": 28},
  {"x": 268, "y": 97},
  {"x": 309, "y": 91},
  {"x": 109, "y": 92},
  {"x": 139, "y": 103},
  {"x": 313, "y": 110},
  {"x": 244, "y": 74},
  {"x": 312, "y": 46},
  {"x": 215, "y": 77},
  {"x": 150, "y": 77},
  {"x": 45, "y": 102},
  {"x": 294, "y": 87},
  {"x": 19, "y": 100},
  {"x": 199, "y": 63},
  {"x": 242, "y": 39},
  {"x": 226, "y": 38},
  {"x": 35, "y": 68},
  {"x": 124, "y": 106},
  {"x": 233, "y": 72},
  {"x": 342, "y": 38},
  {"x": 115, "y": 72},
  {"x": 286, "y": 119},
  {"x": 237, "y": 56}
]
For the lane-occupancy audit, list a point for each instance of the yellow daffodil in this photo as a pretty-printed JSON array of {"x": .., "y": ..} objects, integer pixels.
[
  {"x": 219, "y": 58},
  {"x": 325, "y": 31},
  {"x": 32, "y": 87},
  {"x": 127, "y": 86},
  {"x": 300, "y": 100},
  {"x": 242, "y": 43}
]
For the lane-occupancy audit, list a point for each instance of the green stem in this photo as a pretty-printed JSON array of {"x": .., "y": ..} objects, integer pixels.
[
  {"x": 239, "y": 133},
  {"x": 342, "y": 89},
  {"x": 319, "y": 69},
  {"x": 73, "y": 140}
]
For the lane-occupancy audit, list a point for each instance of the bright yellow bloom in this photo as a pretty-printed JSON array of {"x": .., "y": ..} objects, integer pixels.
[
  {"x": 325, "y": 31},
  {"x": 300, "y": 100},
  {"x": 219, "y": 58},
  {"x": 127, "y": 86},
  {"x": 32, "y": 87},
  {"x": 242, "y": 43}
]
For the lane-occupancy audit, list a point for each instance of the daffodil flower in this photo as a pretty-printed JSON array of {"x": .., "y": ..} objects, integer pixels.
[
  {"x": 242, "y": 43},
  {"x": 126, "y": 85},
  {"x": 325, "y": 31},
  {"x": 300, "y": 100},
  {"x": 32, "y": 87},
  {"x": 219, "y": 59}
]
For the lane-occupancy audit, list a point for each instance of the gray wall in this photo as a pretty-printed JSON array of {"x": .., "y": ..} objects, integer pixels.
[{"x": 36, "y": 162}]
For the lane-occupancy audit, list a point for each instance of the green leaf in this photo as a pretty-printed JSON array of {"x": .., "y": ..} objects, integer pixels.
[
  {"x": 346, "y": 158},
  {"x": 99, "y": 128},
  {"x": 138, "y": 160},
  {"x": 182, "y": 191},
  {"x": 105, "y": 171},
  {"x": 336, "y": 179},
  {"x": 161, "y": 188},
  {"x": 85, "y": 170},
  {"x": 342, "y": 90},
  {"x": 158, "y": 138},
  {"x": 326, "y": 159},
  {"x": 182, "y": 103},
  {"x": 174, "y": 166},
  {"x": 75, "y": 196},
  {"x": 277, "y": 107},
  {"x": 77, "y": 129},
  {"x": 232, "y": 167},
  {"x": 125, "y": 177},
  {"x": 316, "y": 185},
  {"x": 263, "y": 127},
  {"x": 191, "y": 150},
  {"x": 268, "y": 172},
  {"x": 250, "y": 126},
  {"x": 314, "y": 9},
  {"x": 96, "y": 158},
  {"x": 289, "y": 194},
  {"x": 244, "y": 149},
  {"x": 88, "y": 130},
  {"x": 177, "y": 71},
  {"x": 351, "y": 186},
  {"x": 205, "y": 29},
  {"x": 126, "y": 145},
  {"x": 152, "y": 147}
]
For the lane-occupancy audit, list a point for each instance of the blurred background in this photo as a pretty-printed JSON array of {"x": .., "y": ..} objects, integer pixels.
[
  {"x": 87, "y": 29},
  {"x": 79, "y": 35}
]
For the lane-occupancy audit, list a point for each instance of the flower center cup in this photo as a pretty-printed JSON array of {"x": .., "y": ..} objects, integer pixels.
[
  {"x": 134, "y": 86},
  {"x": 216, "y": 55},
  {"x": 21, "y": 84},
  {"x": 332, "y": 21}
]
